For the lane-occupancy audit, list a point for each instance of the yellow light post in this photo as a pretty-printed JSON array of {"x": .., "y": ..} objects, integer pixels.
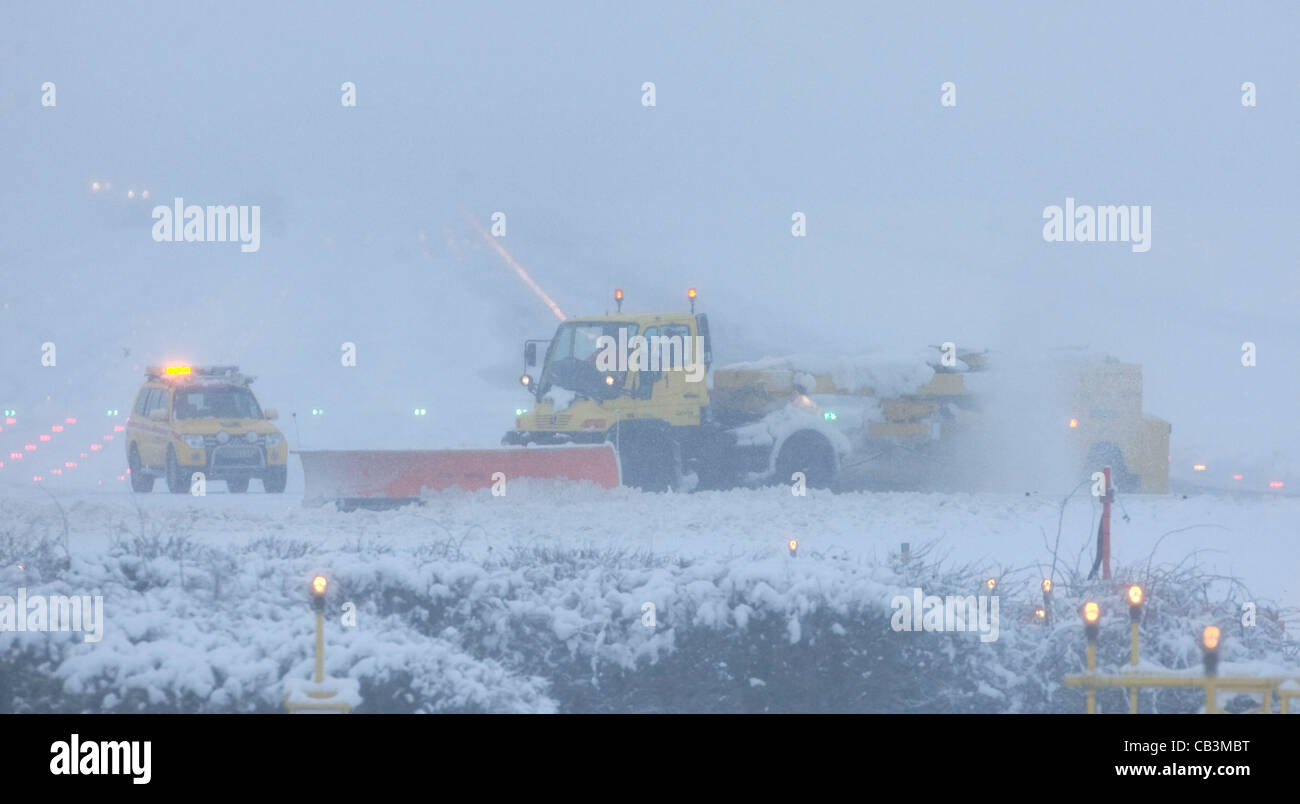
[
  {"x": 1047, "y": 599},
  {"x": 1266, "y": 687},
  {"x": 1135, "y": 616},
  {"x": 318, "y": 585},
  {"x": 1091, "y": 628},
  {"x": 794, "y": 547},
  {"x": 317, "y": 695}
]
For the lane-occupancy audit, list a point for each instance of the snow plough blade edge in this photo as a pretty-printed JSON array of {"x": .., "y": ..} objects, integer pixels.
[{"x": 389, "y": 478}]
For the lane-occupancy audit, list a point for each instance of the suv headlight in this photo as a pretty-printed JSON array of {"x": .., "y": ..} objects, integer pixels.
[
  {"x": 193, "y": 441},
  {"x": 273, "y": 439}
]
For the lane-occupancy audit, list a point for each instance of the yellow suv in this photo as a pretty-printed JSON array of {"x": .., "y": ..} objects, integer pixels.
[{"x": 189, "y": 419}]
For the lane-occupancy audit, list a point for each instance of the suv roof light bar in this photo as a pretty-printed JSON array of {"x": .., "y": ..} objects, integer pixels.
[{"x": 215, "y": 373}]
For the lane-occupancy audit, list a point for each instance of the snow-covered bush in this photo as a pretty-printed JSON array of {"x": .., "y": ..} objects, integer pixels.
[{"x": 196, "y": 627}]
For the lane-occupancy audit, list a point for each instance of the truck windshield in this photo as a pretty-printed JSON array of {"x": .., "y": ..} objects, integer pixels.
[
  {"x": 219, "y": 402},
  {"x": 578, "y": 340},
  {"x": 571, "y": 359}
]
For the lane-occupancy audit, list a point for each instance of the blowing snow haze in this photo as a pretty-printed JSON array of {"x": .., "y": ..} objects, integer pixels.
[{"x": 924, "y": 221}]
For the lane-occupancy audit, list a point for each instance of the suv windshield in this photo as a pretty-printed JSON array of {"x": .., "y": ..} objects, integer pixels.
[{"x": 219, "y": 402}]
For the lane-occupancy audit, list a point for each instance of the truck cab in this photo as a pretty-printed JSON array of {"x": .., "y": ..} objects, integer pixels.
[
  {"x": 637, "y": 380},
  {"x": 641, "y": 381}
]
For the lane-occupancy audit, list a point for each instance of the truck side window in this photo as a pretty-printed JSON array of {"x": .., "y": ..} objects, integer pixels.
[
  {"x": 142, "y": 402},
  {"x": 670, "y": 354},
  {"x": 646, "y": 379}
]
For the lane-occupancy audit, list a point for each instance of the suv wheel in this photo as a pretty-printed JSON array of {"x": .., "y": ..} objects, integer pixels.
[
  {"x": 141, "y": 483},
  {"x": 275, "y": 480},
  {"x": 178, "y": 480}
]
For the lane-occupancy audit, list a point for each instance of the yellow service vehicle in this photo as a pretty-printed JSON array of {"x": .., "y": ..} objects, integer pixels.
[
  {"x": 907, "y": 424},
  {"x": 639, "y": 381},
  {"x": 964, "y": 425},
  {"x": 188, "y": 420},
  {"x": 1111, "y": 429}
]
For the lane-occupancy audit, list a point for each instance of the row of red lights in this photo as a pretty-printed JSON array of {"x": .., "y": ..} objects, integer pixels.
[
  {"x": 1277, "y": 484},
  {"x": 94, "y": 447},
  {"x": 58, "y": 428},
  {"x": 1200, "y": 467},
  {"x": 28, "y": 447}
]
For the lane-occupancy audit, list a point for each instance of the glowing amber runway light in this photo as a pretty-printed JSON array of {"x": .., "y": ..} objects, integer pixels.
[
  {"x": 1210, "y": 645},
  {"x": 1091, "y": 612},
  {"x": 1210, "y": 637}
]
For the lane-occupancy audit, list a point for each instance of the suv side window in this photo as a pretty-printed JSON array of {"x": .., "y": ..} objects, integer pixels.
[
  {"x": 142, "y": 401},
  {"x": 159, "y": 402}
]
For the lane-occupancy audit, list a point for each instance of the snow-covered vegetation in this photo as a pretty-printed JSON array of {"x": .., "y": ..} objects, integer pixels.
[{"x": 474, "y": 603}]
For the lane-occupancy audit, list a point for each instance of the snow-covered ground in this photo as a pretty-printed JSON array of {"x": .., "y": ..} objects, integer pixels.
[
  {"x": 1254, "y": 538},
  {"x": 206, "y": 604}
]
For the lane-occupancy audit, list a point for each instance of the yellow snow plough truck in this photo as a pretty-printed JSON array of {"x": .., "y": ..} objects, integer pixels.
[
  {"x": 644, "y": 383},
  {"x": 634, "y": 399},
  {"x": 641, "y": 382}
]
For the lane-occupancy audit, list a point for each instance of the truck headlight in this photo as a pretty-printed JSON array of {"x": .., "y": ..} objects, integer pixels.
[
  {"x": 273, "y": 439},
  {"x": 193, "y": 441}
]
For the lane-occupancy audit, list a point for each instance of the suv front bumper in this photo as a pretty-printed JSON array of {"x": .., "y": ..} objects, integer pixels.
[{"x": 233, "y": 460}]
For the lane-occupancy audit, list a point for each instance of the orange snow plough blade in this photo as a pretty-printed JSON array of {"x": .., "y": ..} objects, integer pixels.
[{"x": 384, "y": 478}]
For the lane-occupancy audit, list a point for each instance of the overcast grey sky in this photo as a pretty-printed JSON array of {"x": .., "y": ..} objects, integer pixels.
[{"x": 924, "y": 222}]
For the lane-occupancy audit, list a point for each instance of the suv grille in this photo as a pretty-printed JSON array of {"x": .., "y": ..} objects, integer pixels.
[
  {"x": 236, "y": 456},
  {"x": 210, "y": 441}
]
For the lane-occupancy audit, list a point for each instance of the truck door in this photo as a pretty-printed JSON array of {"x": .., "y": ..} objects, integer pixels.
[{"x": 667, "y": 391}]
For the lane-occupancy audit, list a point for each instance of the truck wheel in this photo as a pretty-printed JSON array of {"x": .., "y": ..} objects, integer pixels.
[
  {"x": 274, "y": 481},
  {"x": 178, "y": 480},
  {"x": 141, "y": 483},
  {"x": 237, "y": 485},
  {"x": 806, "y": 452},
  {"x": 1108, "y": 454},
  {"x": 648, "y": 458}
]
